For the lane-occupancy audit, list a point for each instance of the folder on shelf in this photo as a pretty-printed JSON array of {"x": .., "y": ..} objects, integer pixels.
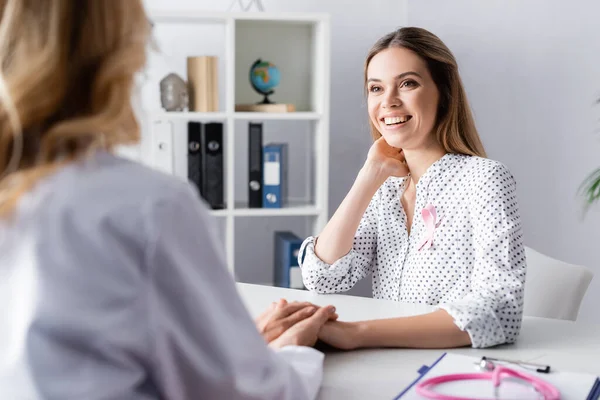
[
  {"x": 205, "y": 161},
  {"x": 571, "y": 385},
  {"x": 255, "y": 165},
  {"x": 162, "y": 154},
  {"x": 286, "y": 272},
  {"x": 275, "y": 175},
  {"x": 194, "y": 158},
  {"x": 213, "y": 182}
]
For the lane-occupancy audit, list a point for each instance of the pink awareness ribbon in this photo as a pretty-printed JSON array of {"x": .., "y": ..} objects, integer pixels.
[{"x": 430, "y": 218}]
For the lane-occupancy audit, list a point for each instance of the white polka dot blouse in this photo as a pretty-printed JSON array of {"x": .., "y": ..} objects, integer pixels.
[{"x": 465, "y": 254}]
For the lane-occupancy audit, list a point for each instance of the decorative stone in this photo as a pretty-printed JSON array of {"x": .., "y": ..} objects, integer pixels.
[{"x": 173, "y": 93}]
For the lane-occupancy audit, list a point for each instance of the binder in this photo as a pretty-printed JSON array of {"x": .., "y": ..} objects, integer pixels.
[
  {"x": 194, "y": 160},
  {"x": 162, "y": 145},
  {"x": 205, "y": 161},
  {"x": 255, "y": 165},
  {"x": 571, "y": 385},
  {"x": 287, "y": 273},
  {"x": 274, "y": 175},
  {"x": 212, "y": 165}
]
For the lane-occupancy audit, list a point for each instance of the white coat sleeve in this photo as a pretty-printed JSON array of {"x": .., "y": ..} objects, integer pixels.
[{"x": 205, "y": 342}]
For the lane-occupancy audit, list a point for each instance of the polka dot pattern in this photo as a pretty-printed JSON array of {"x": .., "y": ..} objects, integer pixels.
[{"x": 475, "y": 269}]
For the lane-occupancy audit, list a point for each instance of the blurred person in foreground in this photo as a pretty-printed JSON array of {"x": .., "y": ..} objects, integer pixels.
[{"x": 112, "y": 282}]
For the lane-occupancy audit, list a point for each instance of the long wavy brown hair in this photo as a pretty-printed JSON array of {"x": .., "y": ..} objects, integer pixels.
[
  {"x": 66, "y": 83},
  {"x": 454, "y": 128}
]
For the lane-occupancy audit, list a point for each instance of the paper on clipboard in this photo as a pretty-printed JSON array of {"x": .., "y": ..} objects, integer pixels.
[{"x": 575, "y": 386}]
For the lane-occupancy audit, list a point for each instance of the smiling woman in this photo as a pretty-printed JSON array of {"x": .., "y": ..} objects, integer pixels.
[
  {"x": 402, "y": 107},
  {"x": 463, "y": 252},
  {"x": 429, "y": 66}
]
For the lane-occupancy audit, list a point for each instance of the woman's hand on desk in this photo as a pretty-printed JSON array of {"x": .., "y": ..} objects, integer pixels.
[
  {"x": 341, "y": 335},
  {"x": 427, "y": 331},
  {"x": 281, "y": 316}
]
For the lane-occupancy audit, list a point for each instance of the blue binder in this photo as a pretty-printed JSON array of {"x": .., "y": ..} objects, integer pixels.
[
  {"x": 285, "y": 264},
  {"x": 274, "y": 175}
]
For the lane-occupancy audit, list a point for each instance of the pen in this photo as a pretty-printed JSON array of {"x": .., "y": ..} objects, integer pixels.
[{"x": 538, "y": 367}]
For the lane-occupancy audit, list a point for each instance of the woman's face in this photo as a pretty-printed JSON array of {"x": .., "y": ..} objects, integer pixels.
[{"x": 402, "y": 98}]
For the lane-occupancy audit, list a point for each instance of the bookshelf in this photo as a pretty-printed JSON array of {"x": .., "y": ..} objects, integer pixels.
[{"x": 299, "y": 44}]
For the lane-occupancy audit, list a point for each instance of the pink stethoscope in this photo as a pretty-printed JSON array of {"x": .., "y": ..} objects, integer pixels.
[{"x": 495, "y": 374}]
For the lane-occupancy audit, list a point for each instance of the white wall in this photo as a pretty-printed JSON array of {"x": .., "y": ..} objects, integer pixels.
[{"x": 532, "y": 72}]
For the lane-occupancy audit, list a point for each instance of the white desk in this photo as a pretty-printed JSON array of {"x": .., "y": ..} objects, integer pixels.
[{"x": 383, "y": 373}]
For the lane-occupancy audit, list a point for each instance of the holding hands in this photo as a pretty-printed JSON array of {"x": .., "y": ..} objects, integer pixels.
[{"x": 296, "y": 323}]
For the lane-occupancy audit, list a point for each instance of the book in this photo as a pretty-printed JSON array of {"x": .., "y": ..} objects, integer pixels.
[
  {"x": 203, "y": 83},
  {"x": 571, "y": 385},
  {"x": 287, "y": 272}
]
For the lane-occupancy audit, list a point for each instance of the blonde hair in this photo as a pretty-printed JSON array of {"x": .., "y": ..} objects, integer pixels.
[
  {"x": 454, "y": 128},
  {"x": 66, "y": 81}
]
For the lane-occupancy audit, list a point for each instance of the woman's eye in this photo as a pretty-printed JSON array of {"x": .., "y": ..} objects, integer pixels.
[
  {"x": 409, "y": 84},
  {"x": 374, "y": 89}
]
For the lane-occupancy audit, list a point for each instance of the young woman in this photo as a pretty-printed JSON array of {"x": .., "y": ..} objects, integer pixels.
[
  {"x": 112, "y": 284},
  {"x": 429, "y": 216}
]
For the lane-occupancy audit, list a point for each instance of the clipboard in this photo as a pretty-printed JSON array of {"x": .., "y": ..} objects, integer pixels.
[{"x": 573, "y": 386}]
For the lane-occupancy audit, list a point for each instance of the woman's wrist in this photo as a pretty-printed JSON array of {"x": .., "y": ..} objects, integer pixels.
[
  {"x": 359, "y": 335},
  {"x": 373, "y": 173}
]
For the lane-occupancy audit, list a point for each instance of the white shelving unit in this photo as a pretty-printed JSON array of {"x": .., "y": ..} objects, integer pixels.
[{"x": 299, "y": 44}]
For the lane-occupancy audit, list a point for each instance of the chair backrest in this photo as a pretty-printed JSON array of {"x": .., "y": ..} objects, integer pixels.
[{"x": 554, "y": 289}]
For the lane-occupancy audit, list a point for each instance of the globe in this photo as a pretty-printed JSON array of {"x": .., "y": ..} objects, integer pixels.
[{"x": 264, "y": 77}]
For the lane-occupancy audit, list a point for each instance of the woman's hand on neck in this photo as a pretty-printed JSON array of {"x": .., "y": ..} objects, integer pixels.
[{"x": 419, "y": 159}]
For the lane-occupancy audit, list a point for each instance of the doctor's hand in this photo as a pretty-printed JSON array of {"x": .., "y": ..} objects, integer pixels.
[
  {"x": 281, "y": 315},
  {"x": 386, "y": 159},
  {"x": 305, "y": 332}
]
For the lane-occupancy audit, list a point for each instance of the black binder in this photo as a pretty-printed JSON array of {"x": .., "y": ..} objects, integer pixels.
[
  {"x": 212, "y": 165},
  {"x": 205, "y": 161},
  {"x": 255, "y": 165},
  {"x": 194, "y": 160}
]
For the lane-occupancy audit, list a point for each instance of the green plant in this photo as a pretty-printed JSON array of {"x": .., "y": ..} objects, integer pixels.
[{"x": 590, "y": 188}]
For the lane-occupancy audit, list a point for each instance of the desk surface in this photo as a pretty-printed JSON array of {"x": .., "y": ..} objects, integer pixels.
[{"x": 383, "y": 373}]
